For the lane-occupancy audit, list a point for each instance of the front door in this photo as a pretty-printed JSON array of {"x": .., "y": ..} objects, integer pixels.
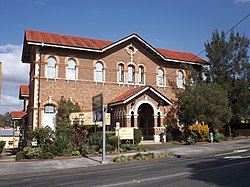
[{"x": 146, "y": 121}]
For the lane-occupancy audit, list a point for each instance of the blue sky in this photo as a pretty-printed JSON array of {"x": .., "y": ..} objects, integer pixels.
[{"x": 182, "y": 25}]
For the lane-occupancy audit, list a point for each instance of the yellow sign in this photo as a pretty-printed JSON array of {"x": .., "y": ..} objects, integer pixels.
[
  {"x": 126, "y": 133},
  {"x": 86, "y": 118}
]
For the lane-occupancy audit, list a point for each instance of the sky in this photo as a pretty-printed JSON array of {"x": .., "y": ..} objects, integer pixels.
[{"x": 181, "y": 25}]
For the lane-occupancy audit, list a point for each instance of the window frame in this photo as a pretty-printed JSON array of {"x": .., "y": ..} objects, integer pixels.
[
  {"x": 99, "y": 72},
  {"x": 51, "y": 69},
  {"x": 160, "y": 77},
  {"x": 131, "y": 74},
  {"x": 180, "y": 79},
  {"x": 49, "y": 109},
  {"x": 71, "y": 71},
  {"x": 121, "y": 73},
  {"x": 141, "y": 74}
]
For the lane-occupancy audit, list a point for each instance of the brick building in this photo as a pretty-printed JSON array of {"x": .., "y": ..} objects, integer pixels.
[{"x": 135, "y": 78}]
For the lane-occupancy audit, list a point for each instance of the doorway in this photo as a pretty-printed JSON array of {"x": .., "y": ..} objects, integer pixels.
[{"x": 146, "y": 121}]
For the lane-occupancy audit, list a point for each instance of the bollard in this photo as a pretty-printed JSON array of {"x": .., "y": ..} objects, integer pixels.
[{"x": 211, "y": 137}]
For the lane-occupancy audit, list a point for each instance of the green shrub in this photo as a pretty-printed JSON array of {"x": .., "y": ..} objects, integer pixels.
[
  {"x": 95, "y": 140},
  {"x": 20, "y": 156},
  {"x": 2, "y": 144},
  {"x": 85, "y": 150},
  {"x": 191, "y": 140},
  {"x": 62, "y": 146},
  {"x": 141, "y": 148},
  {"x": 109, "y": 148},
  {"x": 46, "y": 155},
  {"x": 137, "y": 136},
  {"x": 32, "y": 152},
  {"x": 127, "y": 147},
  {"x": 75, "y": 153},
  {"x": 113, "y": 141},
  {"x": 218, "y": 137}
]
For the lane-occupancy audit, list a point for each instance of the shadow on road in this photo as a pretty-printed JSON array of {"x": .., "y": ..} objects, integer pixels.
[{"x": 222, "y": 172}]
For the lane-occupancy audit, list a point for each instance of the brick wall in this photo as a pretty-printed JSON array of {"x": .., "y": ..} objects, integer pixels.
[{"x": 84, "y": 88}]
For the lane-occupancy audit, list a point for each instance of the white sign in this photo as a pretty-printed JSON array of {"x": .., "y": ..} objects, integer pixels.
[
  {"x": 126, "y": 133},
  {"x": 117, "y": 125}
]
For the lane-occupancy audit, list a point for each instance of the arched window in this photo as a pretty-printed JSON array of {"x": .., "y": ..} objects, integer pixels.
[
  {"x": 51, "y": 67},
  {"x": 160, "y": 77},
  {"x": 121, "y": 73},
  {"x": 141, "y": 75},
  {"x": 71, "y": 71},
  {"x": 180, "y": 81},
  {"x": 132, "y": 119},
  {"x": 99, "y": 73},
  {"x": 158, "y": 119},
  {"x": 131, "y": 74}
]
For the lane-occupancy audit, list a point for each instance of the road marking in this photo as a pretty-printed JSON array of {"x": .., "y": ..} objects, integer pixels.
[
  {"x": 235, "y": 151},
  {"x": 232, "y": 157},
  {"x": 148, "y": 179},
  {"x": 240, "y": 151}
]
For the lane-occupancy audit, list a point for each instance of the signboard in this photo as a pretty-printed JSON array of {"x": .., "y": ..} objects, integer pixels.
[
  {"x": 97, "y": 104},
  {"x": 86, "y": 118},
  {"x": 126, "y": 133},
  {"x": 117, "y": 125}
]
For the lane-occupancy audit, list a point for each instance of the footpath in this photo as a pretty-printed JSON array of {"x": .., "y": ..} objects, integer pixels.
[{"x": 9, "y": 167}]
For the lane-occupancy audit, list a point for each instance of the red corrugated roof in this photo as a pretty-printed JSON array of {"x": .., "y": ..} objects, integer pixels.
[
  {"x": 72, "y": 41},
  {"x": 186, "y": 56},
  {"x": 17, "y": 114},
  {"x": 61, "y": 39},
  {"x": 127, "y": 94}
]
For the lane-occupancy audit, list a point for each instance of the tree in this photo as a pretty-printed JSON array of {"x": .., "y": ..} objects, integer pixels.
[
  {"x": 62, "y": 117},
  {"x": 230, "y": 69},
  {"x": 206, "y": 102},
  {"x": 5, "y": 120}
]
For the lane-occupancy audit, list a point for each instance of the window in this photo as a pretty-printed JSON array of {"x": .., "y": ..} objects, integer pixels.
[
  {"x": 49, "y": 109},
  {"x": 158, "y": 119},
  {"x": 160, "y": 77},
  {"x": 71, "y": 73},
  {"x": 99, "y": 73},
  {"x": 132, "y": 119},
  {"x": 180, "y": 81},
  {"x": 51, "y": 67},
  {"x": 121, "y": 73},
  {"x": 131, "y": 74},
  {"x": 141, "y": 75}
]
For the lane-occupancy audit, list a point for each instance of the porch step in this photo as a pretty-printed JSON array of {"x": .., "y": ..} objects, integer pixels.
[{"x": 147, "y": 142}]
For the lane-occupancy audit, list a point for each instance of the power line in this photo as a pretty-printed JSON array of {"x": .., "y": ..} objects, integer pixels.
[{"x": 232, "y": 28}]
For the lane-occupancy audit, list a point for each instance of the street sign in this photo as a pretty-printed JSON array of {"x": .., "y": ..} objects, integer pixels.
[{"x": 97, "y": 108}]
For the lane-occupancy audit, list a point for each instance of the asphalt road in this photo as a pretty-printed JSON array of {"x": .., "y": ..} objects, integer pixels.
[{"x": 226, "y": 169}]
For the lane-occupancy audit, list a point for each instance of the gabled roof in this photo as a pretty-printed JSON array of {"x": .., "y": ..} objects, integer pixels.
[
  {"x": 86, "y": 44},
  {"x": 131, "y": 94},
  {"x": 65, "y": 40},
  {"x": 17, "y": 114},
  {"x": 24, "y": 91}
]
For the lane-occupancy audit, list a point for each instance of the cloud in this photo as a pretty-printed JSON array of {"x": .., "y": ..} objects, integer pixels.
[
  {"x": 39, "y": 3},
  {"x": 14, "y": 74},
  {"x": 10, "y": 103},
  {"x": 242, "y": 1}
]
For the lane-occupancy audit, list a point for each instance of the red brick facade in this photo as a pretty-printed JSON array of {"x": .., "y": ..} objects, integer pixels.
[{"x": 44, "y": 90}]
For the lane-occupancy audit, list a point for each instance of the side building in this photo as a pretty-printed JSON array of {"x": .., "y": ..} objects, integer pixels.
[{"x": 138, "y": 81}]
